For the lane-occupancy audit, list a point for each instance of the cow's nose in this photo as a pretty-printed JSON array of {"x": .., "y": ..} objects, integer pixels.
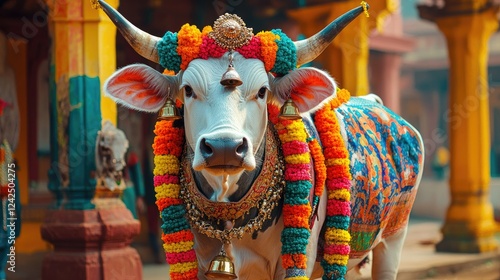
[{"x": 223, "y": 151}]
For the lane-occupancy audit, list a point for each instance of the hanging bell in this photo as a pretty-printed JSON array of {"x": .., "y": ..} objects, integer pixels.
[
  {"x": 231, "y": 78},
  {"x": 289, "y": 111},
  {"x": 221, "y": 267},
  {"x": 169, "y": 111}
]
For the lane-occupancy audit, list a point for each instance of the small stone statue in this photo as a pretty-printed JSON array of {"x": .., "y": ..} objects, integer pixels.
[{"x": 111, "y": 146}]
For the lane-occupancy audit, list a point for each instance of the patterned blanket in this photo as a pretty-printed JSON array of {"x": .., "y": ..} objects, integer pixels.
[{"x": 385, "y": 156}]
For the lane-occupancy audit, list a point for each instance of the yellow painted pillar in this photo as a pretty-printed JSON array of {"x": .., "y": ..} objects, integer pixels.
[
  {"x": 346, "y": 59},
  {"x": 469, "y": 225},
  {"x": 98, "y": 244},
  {"x": 84, "y": 56},
  {"x": 100, "y": 52},
  {"x": 351, "y": 48}
]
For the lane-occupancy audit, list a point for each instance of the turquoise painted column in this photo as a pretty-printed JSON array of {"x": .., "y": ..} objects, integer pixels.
[
  {"x": 75, "y": 116},
  {"x": 84, "y": 123},
  {"x": 83, "y": 56},
  {"x": 90, "y": 241}
]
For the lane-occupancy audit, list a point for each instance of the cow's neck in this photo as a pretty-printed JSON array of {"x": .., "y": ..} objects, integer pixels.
[{"x": 258, "y": 194}]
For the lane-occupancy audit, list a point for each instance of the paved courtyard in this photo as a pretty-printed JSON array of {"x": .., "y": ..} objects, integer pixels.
[{"x": 419, "y": 260}]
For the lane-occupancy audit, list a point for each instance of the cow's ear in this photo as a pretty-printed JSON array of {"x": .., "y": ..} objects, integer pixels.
[
  {"x": 141, "y": 87},
  {"x": 308, "y": 87}
]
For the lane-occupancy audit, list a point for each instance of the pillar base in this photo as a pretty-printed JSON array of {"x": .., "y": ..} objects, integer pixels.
[
  {"x": 91, "y": 245},
  {"x": 458, "y": 239}
]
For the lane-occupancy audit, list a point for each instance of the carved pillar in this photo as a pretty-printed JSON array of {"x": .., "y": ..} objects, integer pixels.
[
  {"x": 89, "y": 242},
  {"x": 467, "y": 26}
]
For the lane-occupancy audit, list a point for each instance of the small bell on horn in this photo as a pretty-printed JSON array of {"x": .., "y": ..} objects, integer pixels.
[
  {"x": 221, "y": 267},
  {"x": 169, "y": 112},
  {"x": 289, "y": 111}
]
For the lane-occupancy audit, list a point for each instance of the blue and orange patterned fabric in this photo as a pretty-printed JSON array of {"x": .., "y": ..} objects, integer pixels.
[{"x": 386, "y": 157}]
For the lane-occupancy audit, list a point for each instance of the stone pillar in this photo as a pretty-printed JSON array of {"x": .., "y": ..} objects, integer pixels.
[
  {"x": 387, "y": 45},
  {"x": 89, "y": 242},
  {"x": 467, "y": 26},
  {"x": 384, "y": 72},
  {"x": 91, "y": 245}
]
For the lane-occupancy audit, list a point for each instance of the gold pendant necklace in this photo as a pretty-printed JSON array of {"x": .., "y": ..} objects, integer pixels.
[{"x": 204, "y": 215}]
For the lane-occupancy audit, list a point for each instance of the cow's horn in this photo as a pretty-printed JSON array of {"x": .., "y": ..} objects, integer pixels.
[
  {"x": 310, "y": 48},
  {"x": 142, "y": 42}
]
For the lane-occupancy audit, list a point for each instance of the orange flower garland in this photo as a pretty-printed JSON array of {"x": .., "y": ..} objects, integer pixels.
[
  {"x": 338, "y": 183},
  {"x": 319, "y": 172},
  {"x": 189, "y": 42},
  {"x": 269, "y": 48},
  {"x": 274, "y": 48},
  {"x": 331, "y": 168}
]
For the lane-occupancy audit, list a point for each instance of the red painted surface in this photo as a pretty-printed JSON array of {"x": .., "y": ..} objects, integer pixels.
[
  {"x": 385, "y": 78},
  {"x": 91, "y": 245}
]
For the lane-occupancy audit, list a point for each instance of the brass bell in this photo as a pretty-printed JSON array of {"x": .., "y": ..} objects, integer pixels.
[
  {"x": 169, "y": 111},
  {"x": 289, "y": 111},
  {"x": 231, "y": 78},
  {"x": 221, "y": 267}
]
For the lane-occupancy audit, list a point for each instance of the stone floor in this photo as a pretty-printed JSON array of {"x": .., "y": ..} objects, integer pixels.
[{"x": 419, "y": 259}]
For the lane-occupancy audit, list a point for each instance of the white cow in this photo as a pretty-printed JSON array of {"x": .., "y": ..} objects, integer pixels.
[{"x": 226, "y": 130}]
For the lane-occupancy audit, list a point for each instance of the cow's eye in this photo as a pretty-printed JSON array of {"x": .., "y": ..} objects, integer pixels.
[
  {"x": 189, "y": 91},
  {"x": 262, "y": 92}
]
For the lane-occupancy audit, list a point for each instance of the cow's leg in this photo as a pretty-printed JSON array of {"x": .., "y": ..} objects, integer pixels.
[
  {"x": 352, "y": 269},
  {"x": 386, "y": 256},
  {"x": 355, "y": 265}
]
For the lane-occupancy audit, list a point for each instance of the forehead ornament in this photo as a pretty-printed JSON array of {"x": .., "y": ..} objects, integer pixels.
[{"x": 230, "y": 32}]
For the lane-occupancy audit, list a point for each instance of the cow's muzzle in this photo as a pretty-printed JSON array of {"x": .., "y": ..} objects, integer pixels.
[{"x": 224, "y": 153}]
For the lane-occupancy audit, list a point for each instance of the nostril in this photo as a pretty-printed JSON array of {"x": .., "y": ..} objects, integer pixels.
[
  {"x": 206, "y": 148},
  {"x": 242, "y": 148}
]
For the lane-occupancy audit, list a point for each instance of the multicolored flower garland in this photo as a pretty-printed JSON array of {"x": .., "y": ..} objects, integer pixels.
[
  {"x": 298, "y": 148},
  {"x": 274, "y": 48},
  {"x": 338, "y": 183},
  {"x": 177, "y": 236},
  {"x": 296, "y": 207}
]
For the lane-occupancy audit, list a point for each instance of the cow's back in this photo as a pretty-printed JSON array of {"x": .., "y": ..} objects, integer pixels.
[{"x": 386, "y": 164}]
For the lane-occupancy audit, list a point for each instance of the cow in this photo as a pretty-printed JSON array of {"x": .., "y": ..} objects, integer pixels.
[{"x": 231, "y": 145}]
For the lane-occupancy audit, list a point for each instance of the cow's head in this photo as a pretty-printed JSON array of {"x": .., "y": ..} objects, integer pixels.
[{"x": 225, "y": 124}]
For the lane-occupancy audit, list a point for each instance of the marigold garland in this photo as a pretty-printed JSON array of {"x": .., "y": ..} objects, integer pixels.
[
  {"x": 269, "y": 48},
  {"x": 296, "y": 208},
  {"x": 188, "y": 44},
  {"x": 338, "y": 183},
  {"x": 273, "y": 48},
  {"x": 177, "y": 236},
  {"x": 319, "y": 173}
]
